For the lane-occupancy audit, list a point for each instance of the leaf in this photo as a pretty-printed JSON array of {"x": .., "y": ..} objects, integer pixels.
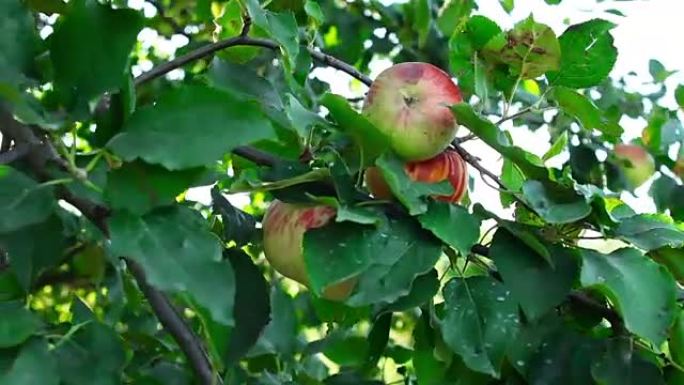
[
  {"x": 565, "y": 357},
  {"x": 23, "y": 202},
  {"x": 314, "y": 11},
  {"x": 402, "y": 253},
  {"x": 93, "y": 355},
  {"x": 238, "y": 226},
  {"x": 252, "y": 309},
  {"x": 423, "y": 289},
  {"x": 513, "y": 179},
  {"x": 280, "y": 335},
  {"x": 179, "y": 254},
  {"x": 481, "y": 320},
  {"x": 642, "y": 290},
  {"x": 528, "y": 163},
  {"x": 422, "y": 17},
  {"x": 242, "y": 81},
  {"x": 530, "y": 49},
  {"x": 558, "y": 146},
  {"x": 47, "y": 6},
  {"x": 378, "y": 337},
  {"x": 452, "y": 224},
  {"x": 166, "y": 133},
  {"x": 302, "y": 119},
  {"x": 370, "y": 140},
  {"x": 620, "y": 365},
  {"x": 351, "y": 351},
  {"x": 359, "y": 214},
  {"x": 281, "y": 26},
  {"x": 658, "y": 71},
  {"x": 588, "y": 55},
  {"x": 533, "y": 336},
  {"x": 556, "y": 207},
  {"x": 140, "y": 187},
  {"x": 451, "y": 14},
  {"x": 507, "y": 5},
  {"x": 650, "y": 232},
  {"x": 410, "y": 193},
  {"x": 34, "y": 365},
  {"x": 537, "y": 285},
  {"x": 16, "y": 325},
  {"x": 676, "y": 341},
  {"x": 679, "y": 96},
  {"x": 671, "y": 258},
  {"x": 18, "y": 42},
  {"x": 90, "y": 47},
  {"x": 429, "y": 370},
  {"x": 585, "y": 111}
]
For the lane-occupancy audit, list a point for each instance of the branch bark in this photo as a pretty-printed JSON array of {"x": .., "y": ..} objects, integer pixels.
[{"x": 209, "y": 49}]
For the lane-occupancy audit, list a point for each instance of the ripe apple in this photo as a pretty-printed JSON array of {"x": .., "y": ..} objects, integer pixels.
[
  {"x": 635, "y": 162},
  {"x": 409, "y": 102},
  {"x": 448, "y": 165},
  {"x": 284, "y": 226}
]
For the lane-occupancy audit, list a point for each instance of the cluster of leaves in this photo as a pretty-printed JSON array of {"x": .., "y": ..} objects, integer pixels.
[{"x": 433, "y": 304}]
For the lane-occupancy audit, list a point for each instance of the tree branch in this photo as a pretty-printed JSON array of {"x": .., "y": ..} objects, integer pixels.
[
  {"x": 186, "y": 339},
  {"x": 15, "y": 153},
  {"x": 209, "y": 49}
]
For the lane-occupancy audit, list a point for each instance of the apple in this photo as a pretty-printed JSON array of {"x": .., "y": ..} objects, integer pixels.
[
  {"x": 448, "y": 165},
  {"x": 635, "y": 162},
  {"x": 284, "y": 226},
  {"x": 409, "y": 103}
]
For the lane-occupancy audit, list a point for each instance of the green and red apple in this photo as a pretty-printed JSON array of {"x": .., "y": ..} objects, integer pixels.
[
  {"x": 410, "y": 104},
  {"x": 635, "y": 162},
  {"x": 447, "y": 166},
  {"x": 284, "y": 226}
]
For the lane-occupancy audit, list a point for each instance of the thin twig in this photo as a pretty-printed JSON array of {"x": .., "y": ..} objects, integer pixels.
[
  {"x": 464, "y": 139},
  {"x": 257, "y": 156},
  {"x": 245, "y": 41}
]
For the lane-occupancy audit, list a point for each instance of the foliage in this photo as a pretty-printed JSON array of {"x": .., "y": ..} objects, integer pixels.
[{"x": 110, "y": 274}]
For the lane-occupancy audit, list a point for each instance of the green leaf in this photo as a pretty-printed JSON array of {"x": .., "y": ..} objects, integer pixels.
[
  {"x": 676, "y": 341},
  {"x": 139, "y": 187},
  {"x": 588, "y": 55},
  {"x": 359, "y": 214},
  {"x": 537, "y": 285},
  {"x": 179, "y": 254},
  {"x": 429, "y": 370},
  {"x": 513, "y": 179},
  {"x": 410, "y": 193},
  {"x": 34, "y": 365},
  {"x": 402, "y": 253},
  {"x": 585, "y": 111},
  {"x": 650, "y": 232},
  {"x": 280, "y": 335},
  {"x": 507, "y": 5},
  {"x": 452, "y": 224},
  {"x": 314, "y": 11},
  {"x": 422, "y": 17},
  {"x": 252, "y": 310},
  {"x": 565, "y": 358},
  {"x": 451, "y": 14},
  {"x": 243, "y": 82},
  {"x": 621, "y": 365},
  {"x": 658, "y": 71},
  {"x": 166, "y": 133},
  {"x": 558, "y": 146},
  {"x": 531, "y": 165},
  {"x": 17, "y": 42},
  {"x": 481, "y": 321},
  {"x": 671, "y": 258},
  {"x": 532, "y": 337},
  {"x": 302, "y": 119},
  {"x": 93, "y": 355},
  {"x": 90, "y": 47},
  {"x": 370, "y": 140},
  {"x": 423, "y": 289},
  {"x": 642, "y": 290},
  {"x": 530, "y": 49},
  {"x": 378, "y": 337},
  {"x": 238, "y": 226},
  {"x": 679, "y": 96},
  {"x": 16, "y": 325},
  {"x": 281, "y": 26},
  {"x": 351, "y": 351},
  {"x": 23, "y": 202},
  {"x": 47, "y": 6},
  {"x": 555, "y": 206}
]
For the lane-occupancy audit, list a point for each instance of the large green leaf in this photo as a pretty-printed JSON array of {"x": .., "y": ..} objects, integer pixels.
[
  {"x": 642, "y": 290},
  {"x": 585, "y": 111},
  {"x": 92, "y": 355},
  {"x": 423, "y": 289},
  {"x": 621, "y": 365},
  {"x": 530, "y": 164},
  {"x": 564, "y": 358},
  {"x": 17, "y": 41},
  {"x": 281, "y": 26},
  {"x": 280, "y": 335},
  {"x": 530, "y": 49},
  {"x": 33, "y": 366},
  {"x": 651, "y": 232},
  {"x": 452, "y": 13},
  {"x": 167, "y": 133},
  {"x": 452, "y": 224},
  {"x": 178, "y": 254},
  {"x": 17, "y": 324},
  {"x": 90, "y": 47},
  {"x": 411, "y": 194},
  {"x": 22, "y": 201},
  {"x": 555, "y": 206},
  {"x": 139, "y": 187},
  {"x": 588, "y": 54},
  {"x": 534, "y": 283},
  {"x": 481, "y": 321}
]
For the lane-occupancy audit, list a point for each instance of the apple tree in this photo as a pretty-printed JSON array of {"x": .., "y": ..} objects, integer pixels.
[{"x": 189, "y": 196}]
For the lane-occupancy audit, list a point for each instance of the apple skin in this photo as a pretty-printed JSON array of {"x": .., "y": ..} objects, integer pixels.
[
  {"x": 284, "y": 226},
  {"x": 635, "y": 162},
  {"x": 409, "y": 103},
  {"x": 448, "y": 165}
]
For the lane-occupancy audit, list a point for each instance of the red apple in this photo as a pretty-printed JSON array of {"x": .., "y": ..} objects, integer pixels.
[
  {"x": 284, "y": 226},
  {"x": 635, "y": 162},
  {"x": 409, "y": 102},
  {"x": 446, "y": 166}
]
